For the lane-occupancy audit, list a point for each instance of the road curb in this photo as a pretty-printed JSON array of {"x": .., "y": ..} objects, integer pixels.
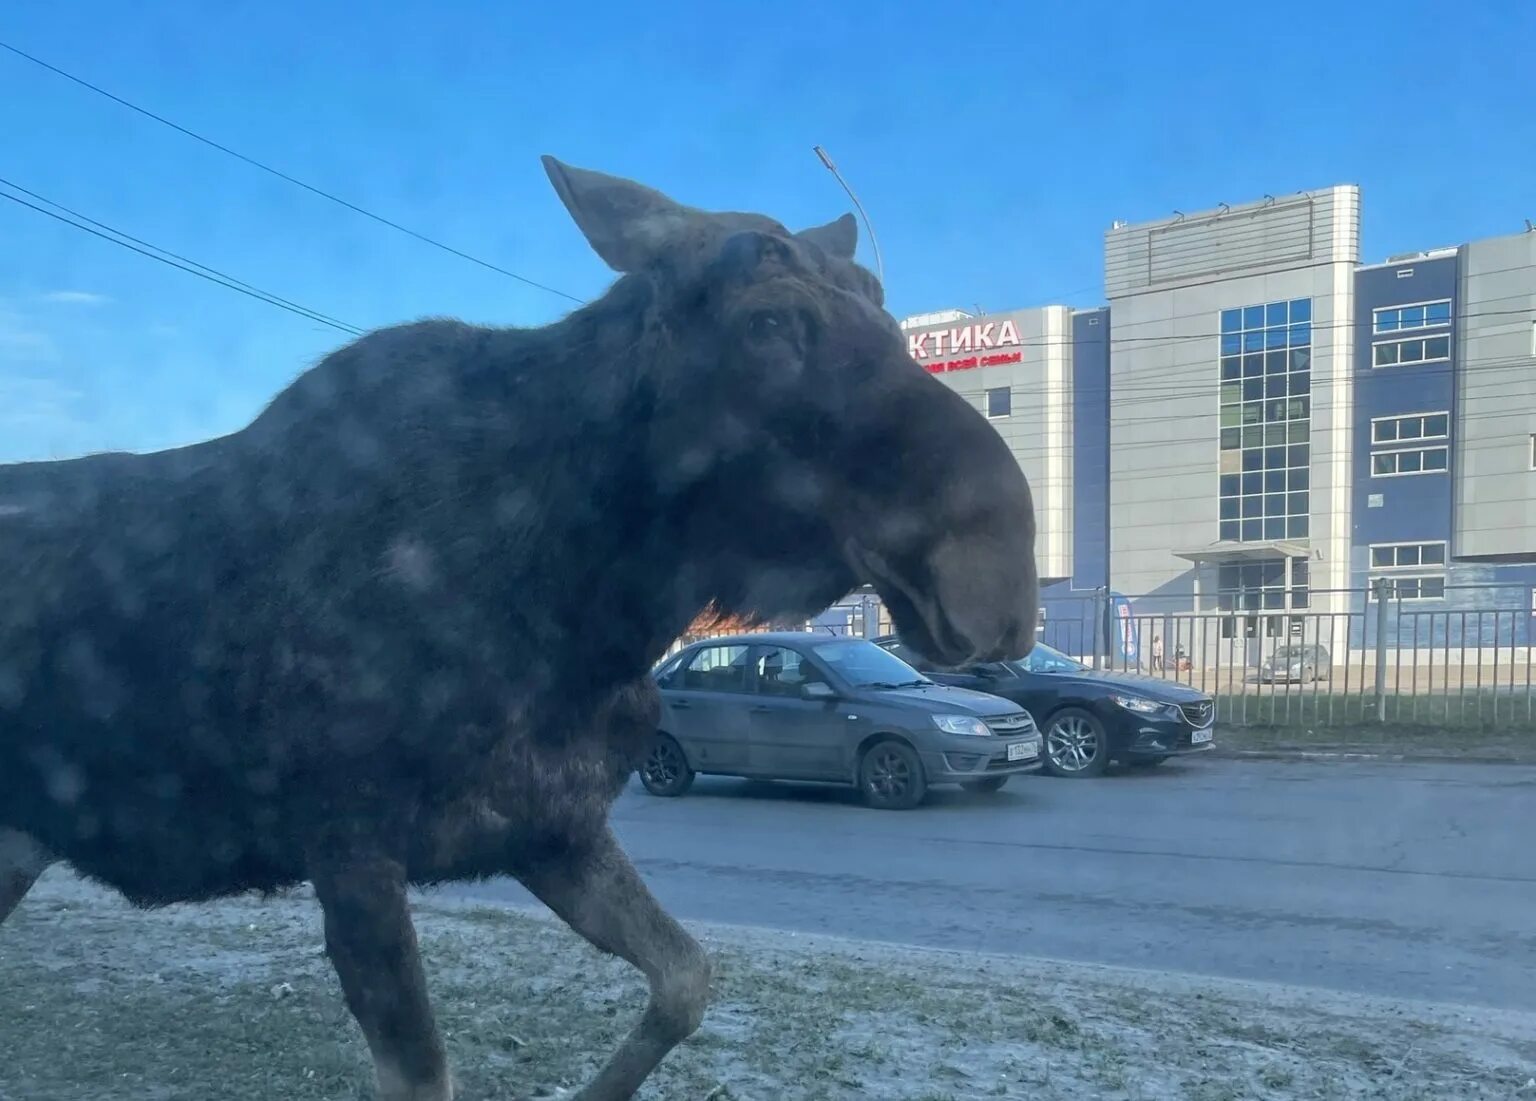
[{"x": 1360, "y": 755}]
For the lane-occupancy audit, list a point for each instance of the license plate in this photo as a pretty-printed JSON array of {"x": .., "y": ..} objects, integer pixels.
[
  {"x": 1022, "y": 751},
  {"x": 1200, "y": 737}
]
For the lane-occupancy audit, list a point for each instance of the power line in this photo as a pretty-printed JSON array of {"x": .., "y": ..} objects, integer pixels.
[
  {"x": 295, "y": 181},
  {"x": 171, "y": 259}
]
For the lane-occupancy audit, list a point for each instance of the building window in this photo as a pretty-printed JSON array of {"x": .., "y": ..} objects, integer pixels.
[
  {"x": 1404, "y": 353},
  {"x": 1266, "y": 421},
  {"x": 1419, "y": 460},
  {"x": 1406, "y": 556},
  {"x": 1411, "y": 427},
  {"x": 1404, "y": 319},
  {"x": 1000, "y": 401},
  {"x": 1421, "y": 587}
]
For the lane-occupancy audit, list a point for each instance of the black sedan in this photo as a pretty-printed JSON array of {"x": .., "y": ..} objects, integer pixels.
[{"x": 1089, "y": 717}]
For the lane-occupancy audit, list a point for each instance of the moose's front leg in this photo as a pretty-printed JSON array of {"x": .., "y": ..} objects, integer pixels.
[
  {"x": 600, "y": 895},
  {"x": 372, "y": 944}
]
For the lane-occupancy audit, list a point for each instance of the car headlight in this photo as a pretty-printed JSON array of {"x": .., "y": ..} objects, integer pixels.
[
  {"x": 1139, "y": 705},
  {"x": 962, "y": 724}
]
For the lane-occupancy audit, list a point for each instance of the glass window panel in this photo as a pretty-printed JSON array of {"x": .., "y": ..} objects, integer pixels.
[
  {"x": 1274, "y": 504},
  {"x": 1252, "y": 507},
  {"x": 1437, "y": 347},
  {"x": 1253, "y": 365},
  {"x": 1437, "y": 425},
  {"x": 1274, "y": 411},
  {"x": 1301, "y": 382},
  {"x": 1231, "y": 320},
  {"x": 1274, "y": 363},
  {"x": 1384, "y": 431},
  {"x": 1230, "y": 508},
  {"x": 1433, "y": 554},
  {"x": 1274, "y": 481},
  {"x": 1229, "y": 485},
  {"x": 1253, "y": 317},
  {"x": 1253, "y": 460},
  {"x": 1435, "y": 460},
  {"x": 1253, "y": 342},
  {"x": 1274, "y": 599},
  {"x": 1252, "y": 529},
  {"x": 1253, "y": 389},
  {"x": 1274, "y": 338},
  {"x": 1301, "y": 359},
  {"x": 1253, "y": 482},
  {"x": 1301, "y": 336},
  {"x": 1411, "y": 317},
  {"x": 1231, "y": 438},
  {"x": 1274, "y": 386},
  {"x": 1253, "y": 412},
  {"x": 1253, "y": 436},
  {"x": 1298, "y": 479},
  {"x": 1299, "y": 571},
  {"x": 1384, "y": 355},
  {"x": 1275, "y": 434},
  {"x": 1438, "y": 313},
  {"x": 1231, "y": 416},
  {"x": 1231, "y": 344},
  {"x": 1231, "y": 462},
  {"x": 1231, "y": 392},
  {"x": 1299, "y": 455},
  {"x": 1231, "y": 368},
  {"x": 1296, "y": 503},
  {"x": 1410, "y": 462},
  {"x": 1274, "y": 458},
  {"x": 1386, "y": 321},
  {"x": 1381, "y": 557},
  {"x": 1412, "y": 351},
  {"x": 1296, "y": 527},
  {"x": 1301, "y": 309},
  {"x": 1230, "y": 530},
  {"x": 1382, "y": 464},
  {"x": 1432, "y": 588},
  {"x": 1274, "y": 313}
]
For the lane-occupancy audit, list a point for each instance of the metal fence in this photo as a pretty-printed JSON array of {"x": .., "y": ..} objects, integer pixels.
[{"x": 1468, "y": 659}]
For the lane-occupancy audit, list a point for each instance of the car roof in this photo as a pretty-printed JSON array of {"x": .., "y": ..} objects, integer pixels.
[{"x": 775, "y": 638}]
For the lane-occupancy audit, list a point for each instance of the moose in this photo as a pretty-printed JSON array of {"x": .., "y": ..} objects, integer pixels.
[{"x": 352, "y": 643}]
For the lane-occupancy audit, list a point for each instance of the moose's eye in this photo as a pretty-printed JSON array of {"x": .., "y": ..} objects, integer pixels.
[{"x": 767, "y": 324}]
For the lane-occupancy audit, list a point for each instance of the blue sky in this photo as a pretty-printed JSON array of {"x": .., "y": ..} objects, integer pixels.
[{"x": 991, "y": 150}]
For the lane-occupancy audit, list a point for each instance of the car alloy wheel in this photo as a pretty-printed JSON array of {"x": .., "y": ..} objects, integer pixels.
[
  {"x": 1074, "y": 745},
  {"x": 666, "y": 771},
  {"x": 891, "y": 776}
]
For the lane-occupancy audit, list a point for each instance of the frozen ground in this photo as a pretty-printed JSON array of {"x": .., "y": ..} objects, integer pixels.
[{"x": 236, "y": 1001}]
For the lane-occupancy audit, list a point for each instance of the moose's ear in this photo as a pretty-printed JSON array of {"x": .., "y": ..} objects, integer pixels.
[
  {"x": 626, "y": 223},
  {"x": 839, "y": 238}
]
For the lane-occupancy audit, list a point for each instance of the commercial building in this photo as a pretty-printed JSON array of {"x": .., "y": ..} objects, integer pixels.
[{"x": 1257, "y": 427}]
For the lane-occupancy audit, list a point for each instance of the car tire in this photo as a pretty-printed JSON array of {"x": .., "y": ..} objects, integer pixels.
[
  {"x": 891, "y": 776},
  {"x": 990, "y": 786},
  {"x": 1075, "y": 745},
  {"x": 665, "y": 770}
]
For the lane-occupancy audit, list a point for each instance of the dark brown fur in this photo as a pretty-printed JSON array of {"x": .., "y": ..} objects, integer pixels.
[{"x": 398, "y": 630}]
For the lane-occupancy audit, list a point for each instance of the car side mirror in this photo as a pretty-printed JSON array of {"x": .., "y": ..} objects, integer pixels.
[{"x": 816, "y": 690}]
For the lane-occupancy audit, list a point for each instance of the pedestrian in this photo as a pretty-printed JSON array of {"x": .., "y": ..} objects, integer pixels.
[{"x": 1157, "y": 653}]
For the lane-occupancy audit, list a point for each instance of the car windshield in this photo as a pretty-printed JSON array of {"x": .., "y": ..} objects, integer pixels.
[
  {"x": 865, "y": 665},
  {"x": 1290, "y": 653},
  {"x": 1043, "y": 659}
]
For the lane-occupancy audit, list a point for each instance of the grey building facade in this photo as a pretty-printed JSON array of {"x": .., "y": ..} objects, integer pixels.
[{"x": 1257, "y": 425}]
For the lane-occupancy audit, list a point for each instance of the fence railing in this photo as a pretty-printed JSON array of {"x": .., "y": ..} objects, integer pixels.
[{"x": 1381, "y": 661}]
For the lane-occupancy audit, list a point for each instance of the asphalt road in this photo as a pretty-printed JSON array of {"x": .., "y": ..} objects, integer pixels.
[{"x": 1411, "y": 881}]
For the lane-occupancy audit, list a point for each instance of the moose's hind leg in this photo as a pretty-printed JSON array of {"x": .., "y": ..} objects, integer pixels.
[
  {"x": 372, "y": 944},
  {"x": 22, "y": 860},
  {"x": 600, "y": 895}
]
